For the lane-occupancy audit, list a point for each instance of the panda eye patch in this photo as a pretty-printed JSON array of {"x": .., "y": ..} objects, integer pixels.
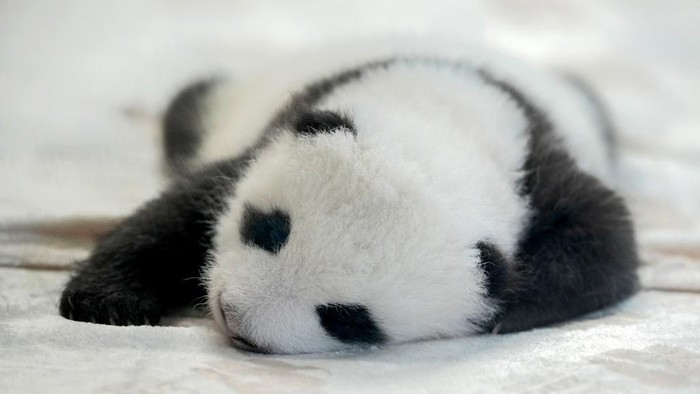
[
  {"x": 349, "y": 323},
  {"x": 267, "y": 231}
]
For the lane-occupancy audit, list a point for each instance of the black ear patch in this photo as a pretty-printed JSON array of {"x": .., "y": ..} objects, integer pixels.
[
  {"x": 350, "y": 323},
  {"x": 314, "y": 122},
  {"x": 495, "y": 266},
  {"x": 267, "y": 231}
]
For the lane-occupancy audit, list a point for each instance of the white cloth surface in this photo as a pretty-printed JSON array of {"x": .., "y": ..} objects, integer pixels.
[
  {"x": 644, "y": 345},
  {"x": 82, "y": 84}
]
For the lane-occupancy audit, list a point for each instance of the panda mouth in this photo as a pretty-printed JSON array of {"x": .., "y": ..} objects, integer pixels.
[
  {"x": 222, "y": 313},
  {"x": 238, "y": 341},
  {"x": 243, "y": 344}
]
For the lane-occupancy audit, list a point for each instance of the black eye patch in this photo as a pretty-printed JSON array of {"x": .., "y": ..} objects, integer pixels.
[
  {"x": 267, "y": 231},
  {"x": 350, "y": 323},
  {"x": 314, "y": 122}
]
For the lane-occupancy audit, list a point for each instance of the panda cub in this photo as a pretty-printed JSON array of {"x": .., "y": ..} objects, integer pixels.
[{"x": 370, "y": 199}]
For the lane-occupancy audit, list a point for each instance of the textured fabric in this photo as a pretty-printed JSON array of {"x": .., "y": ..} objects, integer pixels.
[{"x": 82, "y": 85}]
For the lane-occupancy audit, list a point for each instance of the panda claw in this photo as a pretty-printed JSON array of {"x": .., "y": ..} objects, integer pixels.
[{"x": 113, "y": 307}]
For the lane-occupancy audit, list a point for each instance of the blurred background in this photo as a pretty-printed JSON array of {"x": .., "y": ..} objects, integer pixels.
[
  {"x": 82, "y": 87},
  {"x": 82, "y": 84}
]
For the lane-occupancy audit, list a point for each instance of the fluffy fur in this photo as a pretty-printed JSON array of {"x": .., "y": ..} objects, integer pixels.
[{"x": 385, "y": 197}]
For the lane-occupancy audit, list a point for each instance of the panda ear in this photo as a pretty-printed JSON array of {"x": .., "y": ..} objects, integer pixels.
[{"x": 313, "y": 122}]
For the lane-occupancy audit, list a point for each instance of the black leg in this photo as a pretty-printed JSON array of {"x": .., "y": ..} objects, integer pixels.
[
  {"x": 183, "y": 128},
  {"x": 152, "y": 260},
  {"x": 578, "y": 254}
]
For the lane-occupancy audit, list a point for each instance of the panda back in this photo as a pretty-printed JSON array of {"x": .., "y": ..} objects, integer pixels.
[{"x": 221, "y": 119}]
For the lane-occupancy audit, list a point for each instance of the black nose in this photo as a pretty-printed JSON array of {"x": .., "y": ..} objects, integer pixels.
[{"x": 350, "y": 323}]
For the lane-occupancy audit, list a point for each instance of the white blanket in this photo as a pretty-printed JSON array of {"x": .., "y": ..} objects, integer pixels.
[{"x": 82, "y": 84}]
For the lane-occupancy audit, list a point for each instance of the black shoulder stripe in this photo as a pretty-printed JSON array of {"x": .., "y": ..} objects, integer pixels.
[{"x": 305, "y": 101}]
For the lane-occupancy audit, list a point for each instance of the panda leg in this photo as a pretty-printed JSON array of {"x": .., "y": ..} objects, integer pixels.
[
  {"x": 183, "y": 129},
  {"x": 578, "y": 254},
  {"x": 152, "y": 260}
]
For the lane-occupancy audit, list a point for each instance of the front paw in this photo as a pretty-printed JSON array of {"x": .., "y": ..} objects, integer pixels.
[{"x": 116, "y": 305}]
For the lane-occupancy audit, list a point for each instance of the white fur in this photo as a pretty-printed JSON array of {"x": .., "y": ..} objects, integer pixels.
[
  {"x": 388, "y": 219},
  {"x": 240, "y": 110}
]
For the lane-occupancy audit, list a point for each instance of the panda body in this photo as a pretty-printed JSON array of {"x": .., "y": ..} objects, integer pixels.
[
  {"x": 237, "y": 111},
  {"x": 384, "y": 195}
]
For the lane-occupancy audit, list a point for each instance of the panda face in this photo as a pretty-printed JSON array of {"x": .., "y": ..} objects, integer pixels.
[{"x": 335, "y": 239}]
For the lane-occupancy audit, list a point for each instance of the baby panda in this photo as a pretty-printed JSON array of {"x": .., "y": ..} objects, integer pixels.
[{"x": 381, "y": 198}]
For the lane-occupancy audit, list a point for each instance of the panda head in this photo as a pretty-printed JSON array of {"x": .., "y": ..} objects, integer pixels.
[{"x": 330, "y": 241}]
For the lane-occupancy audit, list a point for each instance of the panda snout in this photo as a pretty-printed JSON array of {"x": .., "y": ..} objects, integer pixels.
[
  {"x": 239, "y": 340},
  {"x": 229, "y": 321}
]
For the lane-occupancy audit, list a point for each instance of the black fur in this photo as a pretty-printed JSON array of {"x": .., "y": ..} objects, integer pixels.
[
  {"x": 496, "y": 268},
  {"x": 350, "y": 323},
  {"x": 182, "y": 125},
  {"x": 152, "y": 260},
  {"x": 578, "y": 253},
  {"x": 315, "y": 122},
  {"x": 267, "y": 231},
  {"x": 304, "y": 102}
]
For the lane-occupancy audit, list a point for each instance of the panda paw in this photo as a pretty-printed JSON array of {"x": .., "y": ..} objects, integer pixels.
[{"x": 109, "y": 305}]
